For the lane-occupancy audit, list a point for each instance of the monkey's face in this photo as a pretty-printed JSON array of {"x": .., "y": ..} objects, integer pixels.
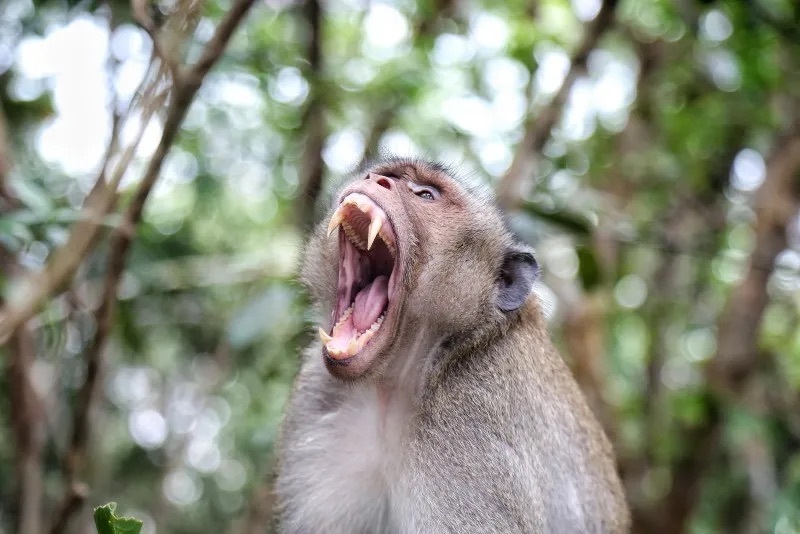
[{"x": 415, "y": 251}]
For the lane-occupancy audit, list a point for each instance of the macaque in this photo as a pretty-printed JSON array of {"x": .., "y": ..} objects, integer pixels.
[{"x": 434, "y": 400}]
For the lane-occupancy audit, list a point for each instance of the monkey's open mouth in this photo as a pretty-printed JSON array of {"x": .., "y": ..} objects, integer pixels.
[{"x": 367, "y": 252}]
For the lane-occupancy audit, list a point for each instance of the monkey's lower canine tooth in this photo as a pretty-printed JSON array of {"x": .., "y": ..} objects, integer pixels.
[
  {"x": 352, "y": 348},
  {"x": 323, "y": 335}
]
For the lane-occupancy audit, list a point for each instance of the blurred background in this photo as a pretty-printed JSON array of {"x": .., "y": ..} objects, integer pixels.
[{"x": 649, "y": 150}]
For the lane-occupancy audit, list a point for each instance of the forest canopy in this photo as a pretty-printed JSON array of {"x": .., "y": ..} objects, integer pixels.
[{"x": 161, "y": 162}]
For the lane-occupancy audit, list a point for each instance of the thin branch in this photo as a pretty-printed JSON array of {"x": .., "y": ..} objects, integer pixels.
[
  {"x": 186, "y": 86},
  {"x": 31, "y": 291},
  {"x": 510, "y": 189},
  {"x": 25, "y": 406},
  {"x": 217, "y": 44},
  {"x": 311, "y": 165},
  {"x": 737, "y": 355},
  {"x": 777, "y": 203},
  {"x": 139, "y": 9},
  {"x": 28, "y": 432}
]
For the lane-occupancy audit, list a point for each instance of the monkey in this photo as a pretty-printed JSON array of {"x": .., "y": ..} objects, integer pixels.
[{"x": 434, "y": 400}]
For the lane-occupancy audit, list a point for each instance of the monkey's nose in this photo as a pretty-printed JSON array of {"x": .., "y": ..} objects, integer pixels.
[{"x": 382, "y": 181}]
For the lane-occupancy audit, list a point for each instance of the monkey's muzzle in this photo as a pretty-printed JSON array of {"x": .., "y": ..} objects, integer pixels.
[{"x": 366, "y": 284}]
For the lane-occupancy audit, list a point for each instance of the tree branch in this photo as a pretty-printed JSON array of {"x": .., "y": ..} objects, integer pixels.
[
  {"x": 139, "y": 10},
  {"x": 25, "y": 406},
  {"x": 31, "y": 291},
  {"x": 28, "y": 432},
  {"x": 777, "y": 203},
  {"x": 311, "y": 165},
  {"x": 186, "y": 86},
  {"x": 510, "y": 190}
]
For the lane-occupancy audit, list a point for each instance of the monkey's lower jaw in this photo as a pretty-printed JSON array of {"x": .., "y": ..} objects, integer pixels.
[{"x": 367, "y": 281}]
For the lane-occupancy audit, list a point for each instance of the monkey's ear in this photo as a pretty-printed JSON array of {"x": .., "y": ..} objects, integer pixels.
[{"x": 516, "y": 278}]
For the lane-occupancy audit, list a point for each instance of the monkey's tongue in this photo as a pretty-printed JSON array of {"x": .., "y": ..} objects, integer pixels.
[
  {"x": 370, "y": 303},
  {"x": 359, "y": 322}
]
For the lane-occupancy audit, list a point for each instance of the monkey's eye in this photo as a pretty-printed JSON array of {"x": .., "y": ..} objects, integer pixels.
[{"x": 428, "y": 193}]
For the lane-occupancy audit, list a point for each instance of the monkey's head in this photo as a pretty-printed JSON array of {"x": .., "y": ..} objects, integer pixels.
[{"x": 406, "y": 248}]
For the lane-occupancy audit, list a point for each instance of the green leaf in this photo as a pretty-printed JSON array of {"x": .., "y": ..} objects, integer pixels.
[{"x": 107, "y": 522}]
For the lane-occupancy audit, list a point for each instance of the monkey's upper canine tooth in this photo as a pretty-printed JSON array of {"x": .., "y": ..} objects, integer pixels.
[
  {"x": 374, "y": 228},
  {"x": 336, "y": 220}
]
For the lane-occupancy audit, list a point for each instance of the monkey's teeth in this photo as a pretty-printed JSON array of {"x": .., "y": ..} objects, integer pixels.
[
  {"x": 344, "y": 316},
  {"x": 324, "y": 336},
  {"x": 354, "y": 238},
  {"x": 365, "y": 336},
  {"x": 336, "y": 220},
  {"x": 377, "y": 221},
  {"x": 356, "y": 343},
  {"x": 363, "y": 339},
  {"x": 389, "y": 244},
  {"x": 333, "y": 351},
  {"x": 374, "y": 229}
]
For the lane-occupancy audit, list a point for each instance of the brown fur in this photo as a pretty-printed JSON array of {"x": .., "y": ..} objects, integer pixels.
[{"x": 466, "y": 419}]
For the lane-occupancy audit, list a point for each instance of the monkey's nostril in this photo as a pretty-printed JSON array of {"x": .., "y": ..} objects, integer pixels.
[{"x": 382, "y": 181}]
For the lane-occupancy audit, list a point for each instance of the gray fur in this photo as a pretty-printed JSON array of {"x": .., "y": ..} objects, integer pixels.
[{"x": 470, "y": 422}]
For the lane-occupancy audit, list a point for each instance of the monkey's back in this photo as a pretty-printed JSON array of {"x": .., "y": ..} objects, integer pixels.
[{"x": 536, "y": 459}]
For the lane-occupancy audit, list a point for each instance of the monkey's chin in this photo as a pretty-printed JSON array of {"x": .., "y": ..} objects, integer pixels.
[
  {"x": 369, "y": 272},
  {"x": 352, "y": 367}
]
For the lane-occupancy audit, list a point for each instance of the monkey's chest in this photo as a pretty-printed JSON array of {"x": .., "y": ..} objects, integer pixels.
[
  {"x": 351, "y": 457},
  {"x": 365, "y": 437}
]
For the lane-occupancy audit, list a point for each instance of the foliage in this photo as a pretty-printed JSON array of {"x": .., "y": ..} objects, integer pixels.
[
  {"x": 107, "y": 521},
  {"x": 642, "y": 204}
]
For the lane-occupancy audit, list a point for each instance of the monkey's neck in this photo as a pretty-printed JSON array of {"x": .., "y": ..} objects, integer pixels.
[
  {"x": 408, "y": 367},
  {"x": 419, "y": 363},
  {"x": 491, "y": 350}
]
